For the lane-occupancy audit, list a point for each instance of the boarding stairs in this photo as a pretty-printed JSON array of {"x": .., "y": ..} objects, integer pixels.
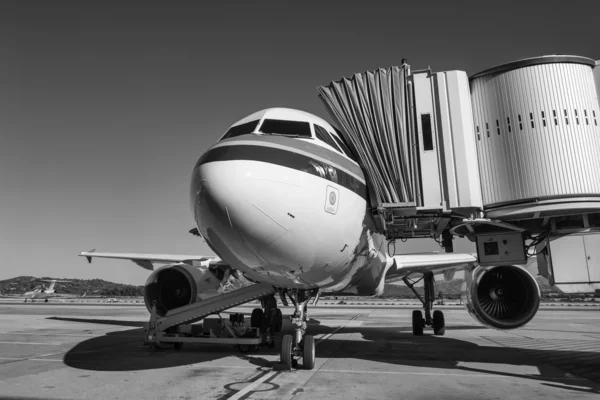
[{"x": 196, "y": 311}]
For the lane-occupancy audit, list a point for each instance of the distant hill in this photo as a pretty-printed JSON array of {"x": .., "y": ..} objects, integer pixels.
[{"x": 93, "y": 287}]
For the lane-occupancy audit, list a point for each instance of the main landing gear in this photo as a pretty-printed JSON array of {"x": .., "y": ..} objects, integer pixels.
[
  {"x": 299, "y": 345},
  {"x": 268, "y": 316},
  {"x": 418, "y": 322}
]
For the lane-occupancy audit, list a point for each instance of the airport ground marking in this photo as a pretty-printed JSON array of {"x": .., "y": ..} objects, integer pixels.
[
  {"x": 273, "y": 374},
  {"x": 254, "y": 385},
  {"x": 35, "y": 343}
]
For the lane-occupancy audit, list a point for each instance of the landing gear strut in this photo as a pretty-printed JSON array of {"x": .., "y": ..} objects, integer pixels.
[
  {"x": 299, "y": 345},
  {"x": 437, "y": 321}
]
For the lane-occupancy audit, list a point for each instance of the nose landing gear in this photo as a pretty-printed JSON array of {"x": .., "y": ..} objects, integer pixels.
[
  {"x": 299, "y": 345},
  {"x": 437, "y": 322}
]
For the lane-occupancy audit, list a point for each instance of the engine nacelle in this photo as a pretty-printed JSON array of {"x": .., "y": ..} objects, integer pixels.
[
  {"x": 504, "y": 297},
  {"x": 176, "y": 285}
]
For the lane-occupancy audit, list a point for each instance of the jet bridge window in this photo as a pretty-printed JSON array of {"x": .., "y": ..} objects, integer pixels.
[
  {"x": 286, "y": 128},
  {"x": 242, "y": 129},
  {"x": 324, "y": 136}
]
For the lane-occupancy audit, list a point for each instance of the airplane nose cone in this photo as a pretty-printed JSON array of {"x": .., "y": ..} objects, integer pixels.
[{"x": 245, "y": 217}]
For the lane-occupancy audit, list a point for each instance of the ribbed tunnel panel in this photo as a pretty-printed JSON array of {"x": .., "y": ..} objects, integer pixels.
[{"x": 371, "y": 109}]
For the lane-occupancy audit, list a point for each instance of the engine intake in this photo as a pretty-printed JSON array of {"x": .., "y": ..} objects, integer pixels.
[
  {"x": 177, "y": 285},
  {"x": 505, "y": 297}
]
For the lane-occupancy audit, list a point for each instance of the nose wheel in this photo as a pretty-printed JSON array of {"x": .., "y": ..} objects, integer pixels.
[
  {"x": 437, "y": 321},
  {"x": 299, "y": 346}
]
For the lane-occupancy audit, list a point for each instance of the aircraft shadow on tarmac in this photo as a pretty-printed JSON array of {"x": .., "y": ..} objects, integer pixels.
[{"x": 124, "y": 351}]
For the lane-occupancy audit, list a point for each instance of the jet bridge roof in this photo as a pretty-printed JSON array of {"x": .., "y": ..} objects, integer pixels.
[{"x": 527, "y": 62}]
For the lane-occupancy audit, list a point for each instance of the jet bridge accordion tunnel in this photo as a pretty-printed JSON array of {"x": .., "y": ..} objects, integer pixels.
[{"x": 509, "y": 158}]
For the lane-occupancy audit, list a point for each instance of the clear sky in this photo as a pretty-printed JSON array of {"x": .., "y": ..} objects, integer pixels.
[{"x": 105, "y": 106}]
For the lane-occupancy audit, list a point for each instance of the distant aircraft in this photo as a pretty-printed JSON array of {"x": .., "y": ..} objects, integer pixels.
[
  {"x": 283, "y": 202},
  {"x": 48, "y": 292}
]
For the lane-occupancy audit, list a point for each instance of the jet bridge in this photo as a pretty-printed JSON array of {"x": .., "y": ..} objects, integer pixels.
[
  {"x": 507, "y": 158},
  {"x": 413, "y": 135}
]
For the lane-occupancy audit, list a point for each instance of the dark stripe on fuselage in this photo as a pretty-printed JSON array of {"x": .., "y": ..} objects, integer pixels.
[
  {"x": 284, "y": 158},
  {"x": 306, "y": 145}
]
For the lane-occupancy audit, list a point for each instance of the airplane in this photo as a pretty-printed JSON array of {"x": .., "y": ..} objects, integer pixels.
[
  {"x": 47, "y": 292},
  {"x": 281, "y": 199}
]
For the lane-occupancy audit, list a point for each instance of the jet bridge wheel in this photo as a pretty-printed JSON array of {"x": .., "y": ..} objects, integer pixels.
[
  {"x": 287, "y": 344},
  {"x": 438, "y": 323},
  {"x": 418, "y": 323},
  {"x": 45, "y": 301},
  {"x": 178, "y": 346}
]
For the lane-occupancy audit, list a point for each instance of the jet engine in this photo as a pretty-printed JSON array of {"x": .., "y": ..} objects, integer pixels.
[
  {"x": 176, "y": 285},
  {"x": 503, "y": 297}
]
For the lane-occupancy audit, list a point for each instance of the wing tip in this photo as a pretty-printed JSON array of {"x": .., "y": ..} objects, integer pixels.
[{"x": 86, "y": 254}]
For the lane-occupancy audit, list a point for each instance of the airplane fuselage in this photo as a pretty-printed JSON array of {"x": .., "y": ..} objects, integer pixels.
[
  {"x": 39, "y": 294},
  {"x": 287, "y": 211}
]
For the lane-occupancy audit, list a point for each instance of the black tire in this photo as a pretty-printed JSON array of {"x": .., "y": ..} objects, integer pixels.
[
  {"x": 243, "y": 348},
  {"x": 308, "y": 352},
  {"x": 286, "y": 350},
  {"x": 417, "y": 322},
  {"x": 178, "y": 346},
  {"x": 439, "y": 325},
  {"x": 257, "y": 318},
  {"x": 278, "y": 322},
  {"x": 45, "y": 301}
]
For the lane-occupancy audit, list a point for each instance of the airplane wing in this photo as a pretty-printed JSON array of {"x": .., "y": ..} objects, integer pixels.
[
  {"x": 149, "y": 261},
  {"x": 408, "y": 264}
]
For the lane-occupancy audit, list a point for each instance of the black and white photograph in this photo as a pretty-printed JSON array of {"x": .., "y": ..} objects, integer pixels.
[{"x": 349, "y": 200}]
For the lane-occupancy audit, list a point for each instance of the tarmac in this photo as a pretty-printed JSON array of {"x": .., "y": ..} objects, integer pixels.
[{"x": 96, "y": 351}]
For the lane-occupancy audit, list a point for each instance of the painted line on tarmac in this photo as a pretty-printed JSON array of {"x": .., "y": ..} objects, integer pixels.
[
  {"x": 336, "y": 329},
  {"x": 482, "y": 375},
  {"x": 34, "y": 358},
  {"x": 30, "y": 359},
  {"x": 253, "y": 385},
  {"x": 35, "y": 343},
  {"x": 274, "y": 374}
]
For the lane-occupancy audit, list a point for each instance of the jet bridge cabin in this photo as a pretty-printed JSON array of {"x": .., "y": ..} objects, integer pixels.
[{"x": 508, "y": 157}]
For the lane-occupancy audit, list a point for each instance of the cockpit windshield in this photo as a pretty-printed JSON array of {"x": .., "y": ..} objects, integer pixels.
[
  {"x": 340, "y": 140},
  {"x": 242, "y": 129},
  {"x": 286, "y": 128}
]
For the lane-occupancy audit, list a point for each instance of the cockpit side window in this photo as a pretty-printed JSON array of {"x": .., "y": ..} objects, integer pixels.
[
  {"x": 323, "y": 135},
  {"x": 286, "y": 128},
  {"x": 340, "y": 140},
  {"x": 242, "y": 129}
]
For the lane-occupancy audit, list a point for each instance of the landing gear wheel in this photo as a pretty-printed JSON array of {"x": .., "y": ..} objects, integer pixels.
[
  {"x": 308, "y": 352},
  {"x": 417, "y": 322},
  {"x": 177, "y": 346},
  {"x": 439, "y": 325},
  {"x": 286, "y": 350},
  {"x": 278, "y": 323},
  {"x": 256, "y": 320}
]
